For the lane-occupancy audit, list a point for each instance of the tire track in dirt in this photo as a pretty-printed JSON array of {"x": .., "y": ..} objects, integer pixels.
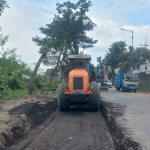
[{"x": 72, "y": 130}]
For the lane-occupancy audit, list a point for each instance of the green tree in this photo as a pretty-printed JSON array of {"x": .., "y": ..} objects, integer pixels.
[
  {"x": 65, "y": 35},
  {"x": 12, "y": 69},
  {"x": 140, "y": 55},
  {"x": 125, "y": 62},
  {"x": 114, "y": 56},
  {"x": 3, "y": 4},
  {"x": 3, "y": 40}
]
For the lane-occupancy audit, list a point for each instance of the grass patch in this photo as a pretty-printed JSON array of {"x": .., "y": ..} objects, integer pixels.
[{"x": 12, "y": 94}]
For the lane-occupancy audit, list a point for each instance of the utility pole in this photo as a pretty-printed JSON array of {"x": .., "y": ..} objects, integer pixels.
[
  {"x": 132, "y": 45},
  {"x": 146, "y": 44}
]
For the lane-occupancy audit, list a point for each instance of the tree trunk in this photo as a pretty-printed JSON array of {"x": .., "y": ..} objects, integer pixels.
[
  {"x": 113, "y": 75},
  {"x": 53, "y": 71},
  {"x": 32, "y": 80},
  {"x": 63, "y": 68},
  {"x": 58, "y": 61}
]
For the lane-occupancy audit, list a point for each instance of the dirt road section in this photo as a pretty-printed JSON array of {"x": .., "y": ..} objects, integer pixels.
[
  {"x": 18, "y": 117},
  {"x": 77, "y": 129}
]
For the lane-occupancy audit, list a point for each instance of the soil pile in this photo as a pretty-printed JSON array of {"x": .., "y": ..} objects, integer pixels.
[{"x": 24, "y": 115}]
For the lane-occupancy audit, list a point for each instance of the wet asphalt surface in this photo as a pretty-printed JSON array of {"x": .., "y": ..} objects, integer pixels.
[
  {"x": 132, "y": 112},
  {"x": 77, "y": 129}
]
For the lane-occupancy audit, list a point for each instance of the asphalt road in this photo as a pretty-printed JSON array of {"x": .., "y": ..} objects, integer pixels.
[
  {"x": 77, "y": 129},
  {"x": 132, "y": 112}
]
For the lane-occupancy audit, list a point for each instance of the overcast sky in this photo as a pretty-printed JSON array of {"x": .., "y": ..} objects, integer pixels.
[{"x": 24, "y": 18}]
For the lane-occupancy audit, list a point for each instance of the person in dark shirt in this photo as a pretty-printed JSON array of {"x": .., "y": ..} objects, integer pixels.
[
  {"x": 80, "y": 65},
  {"x": 92, "y": 73}
]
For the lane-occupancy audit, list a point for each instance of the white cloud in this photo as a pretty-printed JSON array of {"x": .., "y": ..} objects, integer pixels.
[
  {"x": 24, "y": 18},
  {"x": 22, "y": 22}
]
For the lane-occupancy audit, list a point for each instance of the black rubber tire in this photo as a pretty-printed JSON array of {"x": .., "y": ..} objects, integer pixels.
[
  {"x": 94, "y": 98},
  {"x": 123, "y": 90},
  {"x": 116, "y": 88},
  {"x": 134, "y": 91},
  {"x": 63, "y": 99}
]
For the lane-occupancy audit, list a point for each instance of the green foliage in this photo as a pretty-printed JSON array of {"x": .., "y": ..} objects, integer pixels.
[
  {"x": 109, "y": 73},
  {"x": 45, "y": 86},
  {"x": 11, "y": 78},
  {"x": 139, "y": 56},
  {"x": 11, "y": 72},
  {"x": 3, "y": 4},
  {"x": 8, "y": 94},
  {"x": 119, "y": 58},
  {"x": 124, "y": 64},
  {"x": 67, "y": 32},
  {"x": 38, "y": 82},
  {"x": 114, "y": 55},
  {"x": 65, "y": 35},
  {"x": 54, "y": 85},
  {"x": 14, "y": 73}
]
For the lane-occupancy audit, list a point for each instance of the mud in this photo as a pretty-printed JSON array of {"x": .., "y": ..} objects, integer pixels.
[
  {"x": 25, "y": 117},
  {"x": 120, "y": 141}
]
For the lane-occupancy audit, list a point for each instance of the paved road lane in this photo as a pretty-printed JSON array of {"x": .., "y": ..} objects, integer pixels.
[{"x": 135, "y": 108}]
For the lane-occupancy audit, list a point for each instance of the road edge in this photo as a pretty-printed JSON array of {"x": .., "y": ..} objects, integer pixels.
[{"x": 121, "y": 142}]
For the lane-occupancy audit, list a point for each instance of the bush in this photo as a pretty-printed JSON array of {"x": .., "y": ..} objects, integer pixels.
[
  {"x": 54, "y": 85},
  {"x": 12, "y": 94}
]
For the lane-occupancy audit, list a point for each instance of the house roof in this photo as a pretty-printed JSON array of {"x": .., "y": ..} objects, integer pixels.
[{"x": 49, "y": 71}]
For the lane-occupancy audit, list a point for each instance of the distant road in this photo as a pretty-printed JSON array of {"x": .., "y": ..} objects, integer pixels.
[{"x": 132, "y": 111}]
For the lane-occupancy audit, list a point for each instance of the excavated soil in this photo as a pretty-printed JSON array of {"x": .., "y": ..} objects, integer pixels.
[{"x": 23, "y": 116}]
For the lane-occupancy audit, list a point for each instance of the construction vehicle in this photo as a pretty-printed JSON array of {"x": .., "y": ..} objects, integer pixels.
[
  {"x": 80, "y": 87},
  {"x": 101, "y": 75},
  {"x": 126, "y": 82}
]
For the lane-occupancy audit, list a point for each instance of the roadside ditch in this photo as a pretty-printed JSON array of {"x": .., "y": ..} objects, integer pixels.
[{"x": 25, "y": 117}]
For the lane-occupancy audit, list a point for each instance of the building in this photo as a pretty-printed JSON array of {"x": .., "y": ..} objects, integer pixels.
[
  {"x": 57, "y": 75},
  {"x": 144, "y": 76}
]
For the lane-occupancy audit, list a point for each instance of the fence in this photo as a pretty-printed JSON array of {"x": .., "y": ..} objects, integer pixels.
[{"x": 144, "y": 81}]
